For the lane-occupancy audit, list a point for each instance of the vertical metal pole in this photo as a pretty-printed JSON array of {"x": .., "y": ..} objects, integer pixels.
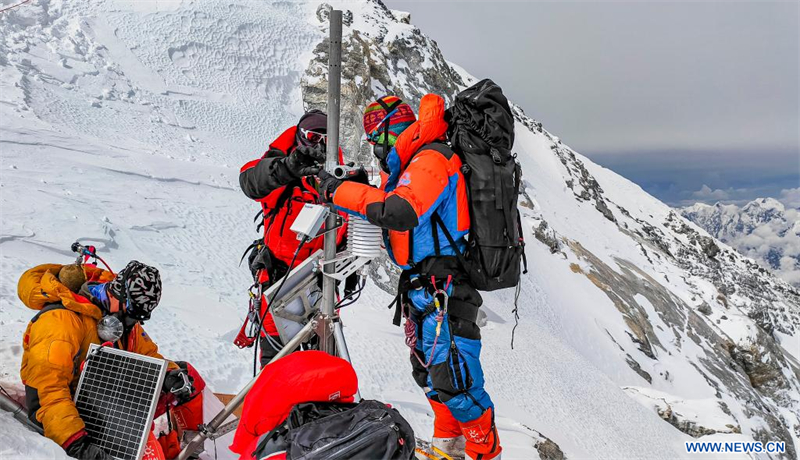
[{"x": 327, "y": 343}]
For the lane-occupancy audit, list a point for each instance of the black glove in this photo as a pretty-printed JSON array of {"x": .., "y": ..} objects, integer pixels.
[
  {"x": 305, "y": 160},
  {"x": 83, "y": 449},
  {"x": 327, "y": 184},
  {"x": 179, "y": 383},
  {"x": 359, "y": 176}
]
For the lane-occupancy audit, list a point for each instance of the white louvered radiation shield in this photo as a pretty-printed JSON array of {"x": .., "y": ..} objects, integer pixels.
[{"x": 116, "y": 398}]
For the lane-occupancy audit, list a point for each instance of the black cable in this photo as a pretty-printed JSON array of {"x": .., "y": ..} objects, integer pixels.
[
  {"x": 261, "y": 319},
  {"x": 350, "y": 295},
  {"x": 356, "y": 293},
  {"x": 349, "y": 303}
]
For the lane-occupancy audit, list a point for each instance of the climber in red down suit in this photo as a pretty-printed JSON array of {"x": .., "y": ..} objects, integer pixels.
[{"x": 282, "y": 181}]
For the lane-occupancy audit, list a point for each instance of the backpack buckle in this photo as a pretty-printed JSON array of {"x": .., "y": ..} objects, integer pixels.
[
  {"x": 495, "y": 156},
  {"x": 416, "y": 283}
]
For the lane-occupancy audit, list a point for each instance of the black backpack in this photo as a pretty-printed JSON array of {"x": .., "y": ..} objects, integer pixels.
[
  {"x": 368, "y": 430},
  {"x": 481, "y": 132}
]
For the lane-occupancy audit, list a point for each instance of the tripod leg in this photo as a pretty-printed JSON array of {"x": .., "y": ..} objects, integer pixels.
[{"x": 341, "y": 347}]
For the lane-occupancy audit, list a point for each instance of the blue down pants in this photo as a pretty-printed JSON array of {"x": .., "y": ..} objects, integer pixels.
[{"x": 454, "y": 375}]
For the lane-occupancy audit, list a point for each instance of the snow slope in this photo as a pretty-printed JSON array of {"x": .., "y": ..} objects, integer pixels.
[
  {"x": 124, "y": 123},
  {"x": 764, "y": 229}
]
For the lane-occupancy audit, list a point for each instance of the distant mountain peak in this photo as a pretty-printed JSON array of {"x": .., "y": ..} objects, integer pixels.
[{"x": 763, "y": 229}]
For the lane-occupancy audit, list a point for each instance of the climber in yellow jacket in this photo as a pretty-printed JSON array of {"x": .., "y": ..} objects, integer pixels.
[{"x": 58, "y": 338}]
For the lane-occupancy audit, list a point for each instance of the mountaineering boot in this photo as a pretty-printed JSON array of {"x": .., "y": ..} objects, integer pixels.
[
  {"x": 452, "y": 447},
  {"x": 483, "y": 442},
  {"x": 447, "y": 435}
]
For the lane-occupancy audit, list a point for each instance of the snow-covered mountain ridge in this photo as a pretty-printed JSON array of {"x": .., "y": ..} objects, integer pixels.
[
  {"x": 124, "y": 124},
  {"x": 764, "y": 229}
]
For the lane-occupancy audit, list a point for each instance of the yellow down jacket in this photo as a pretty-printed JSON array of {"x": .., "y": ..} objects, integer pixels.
[{"x": 55, "y": 344}]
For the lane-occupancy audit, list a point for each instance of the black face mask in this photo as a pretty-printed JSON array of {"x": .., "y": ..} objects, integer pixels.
[
  {"x": 129, "y": 322},
  {"x": 381, "y": 152}
]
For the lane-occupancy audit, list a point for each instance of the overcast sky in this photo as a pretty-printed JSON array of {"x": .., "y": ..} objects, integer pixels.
[{"x": 695, "y": 101}]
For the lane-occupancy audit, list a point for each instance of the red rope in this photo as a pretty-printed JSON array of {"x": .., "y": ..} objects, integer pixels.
[
  {"x": 410, "y": 330},
  {"x": 15, "y": 5}
]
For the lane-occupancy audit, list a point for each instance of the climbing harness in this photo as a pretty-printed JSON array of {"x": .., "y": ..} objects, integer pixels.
[{"x": 440, "y": 302}]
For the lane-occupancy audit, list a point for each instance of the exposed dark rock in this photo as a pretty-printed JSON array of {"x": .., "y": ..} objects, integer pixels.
[
  {"x": 704, "y": 308},
  {"x": 763, "y": 363},
  {"x": 402, "y": 16},
  {"x": 708, "y": 246},
  {"x": 691, "y": 428},
  {"x": 548, "y": 450},
  {"x": 601, "y": 206},
  {"x": 579, "y": 180},
  {"x": 638, "y": 369},
  {"x": 547, "y": 236},
  {"x": 722, "y": 300}
]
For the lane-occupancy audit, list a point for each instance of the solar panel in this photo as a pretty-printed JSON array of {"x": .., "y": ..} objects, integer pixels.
[{"x": 116, "y": 398}]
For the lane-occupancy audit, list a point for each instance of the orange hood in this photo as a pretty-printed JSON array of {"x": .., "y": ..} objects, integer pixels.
[{"x": 429, "y": 127}]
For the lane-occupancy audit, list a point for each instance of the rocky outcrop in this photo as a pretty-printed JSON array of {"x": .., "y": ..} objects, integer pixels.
[
  {"x": 547, "y": 236},
  {"x": 401, "y": 61},
  {"x": 548, "y": 450},
  {"x": 774, "y": 305},
  {"x": 580, "y": 181},
  {"x": 689, "y": 427},
  {"x": 708, "y": 246},
  {"x": 764, "y": 364},
  {"x": 757, "y": 378}
]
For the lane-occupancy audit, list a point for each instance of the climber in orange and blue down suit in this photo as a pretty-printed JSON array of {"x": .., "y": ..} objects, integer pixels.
[{"x": 424, "y": 183}]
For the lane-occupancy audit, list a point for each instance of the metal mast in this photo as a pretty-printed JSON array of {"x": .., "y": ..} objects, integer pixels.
[{"x": 332, "y": 160}]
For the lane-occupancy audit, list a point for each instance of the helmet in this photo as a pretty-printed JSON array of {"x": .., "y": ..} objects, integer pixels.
[{"x": 138, "y": 288}]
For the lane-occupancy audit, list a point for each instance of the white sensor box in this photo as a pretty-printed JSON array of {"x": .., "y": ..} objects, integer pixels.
[{"x": 309, "y": 221}]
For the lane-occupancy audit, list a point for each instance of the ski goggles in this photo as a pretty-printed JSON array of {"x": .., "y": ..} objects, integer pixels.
[{"x": 314, "y": 136}]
